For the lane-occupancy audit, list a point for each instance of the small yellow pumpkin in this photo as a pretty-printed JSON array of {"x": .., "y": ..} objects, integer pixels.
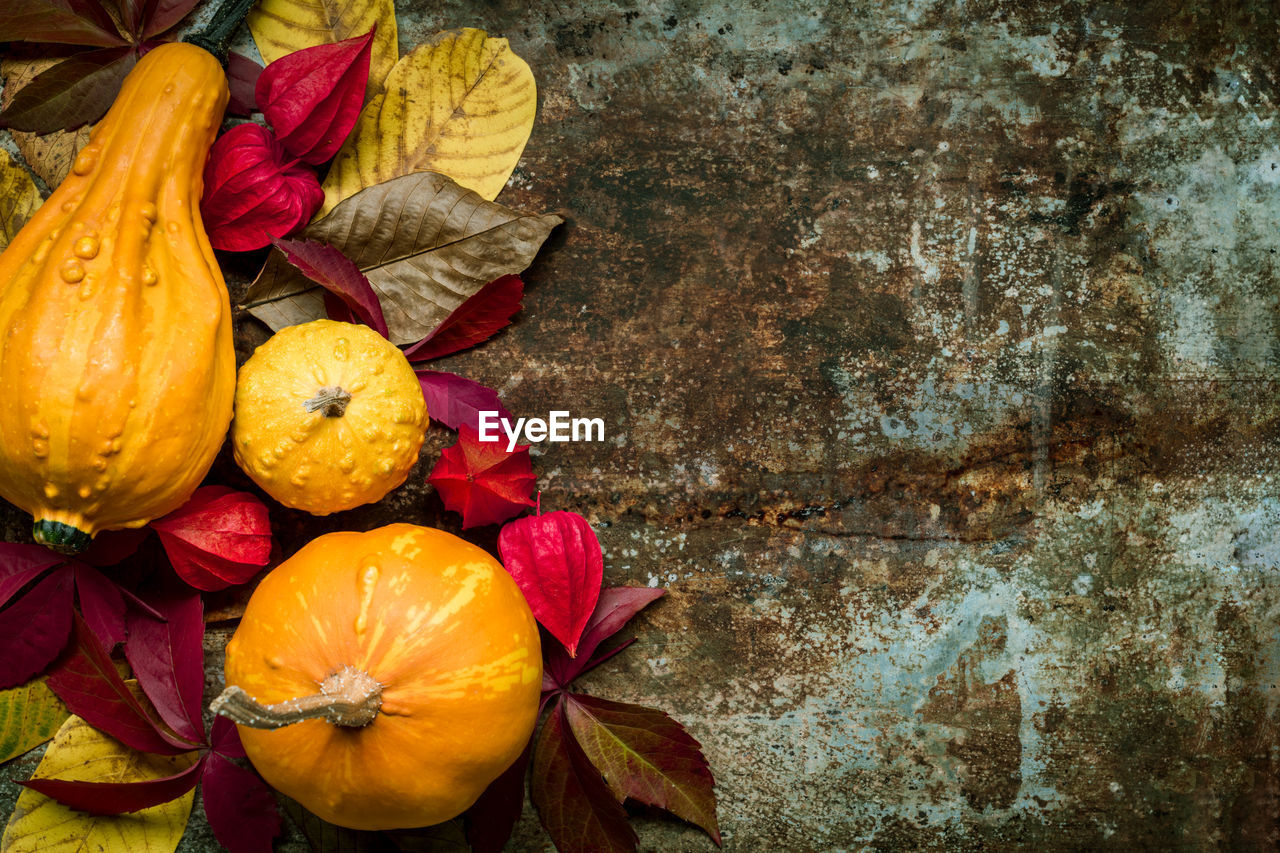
[
  {"x": 384, "y": 679},
  {"x": 329, "y": 416}
]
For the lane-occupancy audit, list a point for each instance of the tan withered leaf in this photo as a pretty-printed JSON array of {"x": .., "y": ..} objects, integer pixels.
[
  {"x": 461, "y": 104},
  {"x": 51, "y": 155},
  {"x": 19, "y": 198},
  {"x": 283, "y": 26},
  {"x": 425, "y": 243}
]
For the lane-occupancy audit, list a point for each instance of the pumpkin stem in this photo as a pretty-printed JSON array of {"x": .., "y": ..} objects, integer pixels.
[
  {"x": 349, "y": 697},
  {"x": 332, "y": 399}
]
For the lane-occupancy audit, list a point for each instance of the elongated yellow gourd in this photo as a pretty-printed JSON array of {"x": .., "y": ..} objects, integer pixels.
[{"x": 117, "y": 369}]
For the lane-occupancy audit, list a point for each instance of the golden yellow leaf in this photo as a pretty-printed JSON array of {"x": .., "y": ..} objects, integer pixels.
[
  {"x": 19, "y": 198},
  {"x": 50, "y": 156},
  {"x": 30, "y": 714},
  {"x": 82, "y": 753},
  {"x": 461, "y": 104},
  {"x": 283, "y": 26}
]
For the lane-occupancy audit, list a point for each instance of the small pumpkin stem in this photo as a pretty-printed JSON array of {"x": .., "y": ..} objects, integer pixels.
[
  {"x": 332, "y": 399},
  {"x": 349, "y": 697}
]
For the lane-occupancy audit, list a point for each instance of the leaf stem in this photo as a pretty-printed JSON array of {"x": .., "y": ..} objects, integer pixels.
[
  {"x": 225, "y": 19},
  {"x": 349, "y": 697}
]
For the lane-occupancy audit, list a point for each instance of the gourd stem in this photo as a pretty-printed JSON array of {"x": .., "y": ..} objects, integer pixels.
[
  {"x": 349, "y": 697},
  {"x": 215, "y": 36},
  {"x": 332, "y": 399}
]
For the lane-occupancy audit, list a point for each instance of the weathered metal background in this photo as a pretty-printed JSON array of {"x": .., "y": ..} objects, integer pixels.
[{"x": 937, "y": 348}]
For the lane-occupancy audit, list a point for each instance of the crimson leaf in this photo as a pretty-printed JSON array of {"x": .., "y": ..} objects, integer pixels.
[
  {"x": 163, "y": 14},
  {"x": 111, "y": 546},
  {"x": 474, "y": 321},
  {"x": 645, "y": 756},
  {"x": 21, "y": 564},
  {"x": 242, "y": 77},
  {"x": 556, "y": 561},
  {"x": 574, "y": 804},
  {"x": 224, "y": 738},
  {"x": 102, "y": 605},
  {"x": 34, "y": 629},
  {"x": 217, "y": 538},
  {"x": 239, "y": 806},
  {"x": 71, "y": 93},
  {"x": 456, "y": 401},
  {"x": 492, "y": 817},
  {"x": 109, "y": 798},
  {"x": 312, "y": 97},
  {"x": 482, "y": 481},
  {"x": 613, "y": 610},
  {"x": 168, "y": 659},
  {"x": 339, "y": 275},
  {"x": 82, "y": 22}
]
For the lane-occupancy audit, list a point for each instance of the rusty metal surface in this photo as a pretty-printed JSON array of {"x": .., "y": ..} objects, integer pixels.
[{"x": 937, "y": 349}]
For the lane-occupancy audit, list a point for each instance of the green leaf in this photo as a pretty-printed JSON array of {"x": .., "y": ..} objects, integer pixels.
[{"x": 29, "y": 716}]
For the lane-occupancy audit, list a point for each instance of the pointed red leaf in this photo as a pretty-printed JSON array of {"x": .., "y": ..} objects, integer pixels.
[
  {"x": 645, "y": 756},
  {"x": 21, "y": 564},
  {"x": 474, "y": 321},
  {"x": 87, "y": 681},
  {"x": 168, "y": 659},
  {"x": 242, "y": 78},
  {"x": 339, "y": 275},
  {"x": 556, "y": 561},
  {"x": 239, "y": 806},
  {"x": 218, "y": 538},
  {"x": 482, "y": 481},
  {"x": 254, "y": 191},
  {"x": 109, "y": 798},
  {"x": 574, "y": 804},
  {"x": 224, "y": 738},
  {"x": 456, "y": 401},
  {"x": 101, "y": 604},
  {"x": 76, "y": 91},
  {"x": 164, "y": 14},
  {"x": 82, "y": 22},
  {"x": 615, "y": 608},
  {"x": 312, "y": 97},
  {"x": 111, "y": 546},
  {"x": 34, "y": 629},
  {"x": 491, "y": 818}
]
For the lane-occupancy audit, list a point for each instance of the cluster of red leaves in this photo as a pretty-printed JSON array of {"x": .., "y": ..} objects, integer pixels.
[{"x": 592, "y": 754}]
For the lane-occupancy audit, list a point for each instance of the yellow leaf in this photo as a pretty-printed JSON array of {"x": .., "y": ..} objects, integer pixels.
[
  {"x": 30, "y": 714},
  {"x": 82, "y": 753},
  {"x": 19, "y": 198},
  {"x": 283, "y": 26},
  {"x": 462, "y": 105}
]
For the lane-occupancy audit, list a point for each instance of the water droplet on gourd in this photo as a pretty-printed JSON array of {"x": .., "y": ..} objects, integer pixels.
[
  {"x": 50, "y": 491},
  {"x": 72, "y": 271},
  {"x": 86, "y": 248},
  {"x": 39, "y": 448},
  {"x": 84, "y": 492},
  {"x": 149, "y": 276}
]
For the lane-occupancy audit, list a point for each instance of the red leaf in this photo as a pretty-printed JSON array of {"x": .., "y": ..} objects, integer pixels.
[
  {"x": 478, "y": 319},
  {"x": 108, "y": 798},
  {"x": 224, "y": 738},
  {"x": 574, "y": 804},
  {"x": 76, "y": 91},
  {"x": 339, "y": 275},
  {"x": 616, "y": 606},
  {"x": 456, "y": 401},
  {"x": 21, "y": 564},
  {"x": 168, "y": 659},
  {"x": 111, "y": 546},
  {"x": 87, "y": 681},
  {"x": 253, "y": 191},
  {"x": 102, "y": 605},
  {"x": 556, "y": 561},
  {"x": 239, "y": 807},
  {"x": 482, "y": 481},
  {"x": 35, "y": 628},
  {"x": 645, "y": 756},
  {"x": 58, "y": 21},
  {"x": 165, "y": 14},
  {"x": 218, "y": 538},
  {"x": 312, "y": 97},
  {"x": 492, "y": 817},
  {"x": 242, "y": 77}
]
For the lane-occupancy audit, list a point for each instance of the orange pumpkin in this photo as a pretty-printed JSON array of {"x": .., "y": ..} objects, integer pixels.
[{"x": 393, "y": 674}]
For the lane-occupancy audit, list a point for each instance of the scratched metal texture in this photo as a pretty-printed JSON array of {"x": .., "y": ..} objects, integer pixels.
[{"x": 936, "y": 344}]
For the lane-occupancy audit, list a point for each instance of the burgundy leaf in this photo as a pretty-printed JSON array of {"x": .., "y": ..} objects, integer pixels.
[
  {"x": 645, "y": 756},
  {"x": 556, "y": 561},
  {"x": 242, "y": 77},
  {"x": 168, "y": 659},
  {"x": 478, "y": 319},
  {"x": 312, "y": 97},
  {"x": 339, "y": 275},
  {"x": 131, "y": 14},
  {"x": 492, "y": 817},
  {"x": 82, "y": 22},
  {"x": 76, "y": 91},
  {"x": 101, "y": 604},
  {"x": 34, "y": 629},
  {"x": 219, "y": 537},
  {"x": 108, "y": 798},
  {"x": 21, "y": 564},
  {"x": 482, "y": 481},
  {"x": 87, "y": 681},
  {"x": 239, "y": 807},
  {"x": 574, "y": 805},
  {"x": 616, "y": 606},
  {"x": 456, "y": 401},
  {"x": 253, "y": 191},
  {"x": 111, "y": 546},
  {"x": 224, "y": 738},
  {"x": 163, "y": 14}
]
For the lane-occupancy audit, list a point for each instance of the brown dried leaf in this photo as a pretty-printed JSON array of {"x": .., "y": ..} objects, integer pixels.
[
  {"x": 49, "y": 156},
  {"x": 19, "y": 198}
]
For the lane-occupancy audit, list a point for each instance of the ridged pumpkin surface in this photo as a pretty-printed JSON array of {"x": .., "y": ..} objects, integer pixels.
[
  {"x": 117, "y": 362},
  {"x": 440, "y": 625}
]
